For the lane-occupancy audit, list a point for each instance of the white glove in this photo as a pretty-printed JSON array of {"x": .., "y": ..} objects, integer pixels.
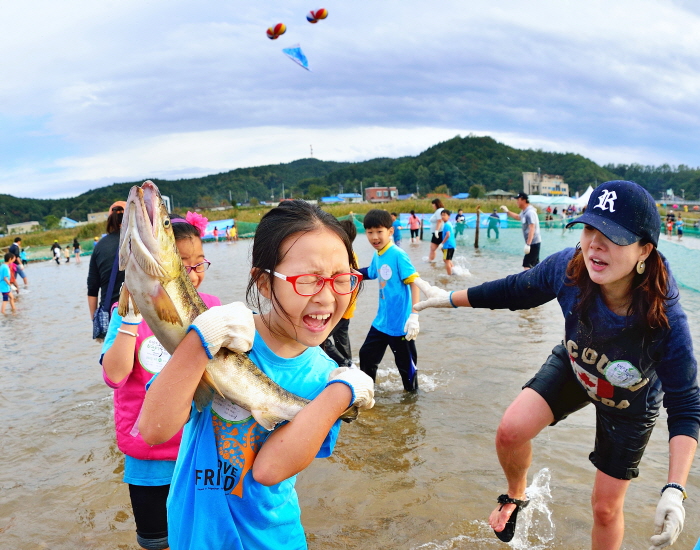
[
  {"x": 504, "y": 208},
  {"x": 526, "y": 249},
  {"x": 230, "y": 326},
  {"x": 437, "y": 234},
  {"x": 132, "y": 318},
  {"x": 412, "y": 327},
  {"x": 436, "y": 297},
  {"x": 361, "y": 385},
  {"x": 669, "y": 519}
]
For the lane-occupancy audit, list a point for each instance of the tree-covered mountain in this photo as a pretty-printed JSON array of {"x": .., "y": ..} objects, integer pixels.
[{"x": 454, "y": 165}]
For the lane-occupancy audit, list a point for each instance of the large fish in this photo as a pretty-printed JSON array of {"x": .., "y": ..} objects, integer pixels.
[{"x": 162, "y": 292}]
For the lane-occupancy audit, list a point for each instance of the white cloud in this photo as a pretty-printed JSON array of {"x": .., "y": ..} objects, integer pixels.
[{"x": 107, "y": 92}]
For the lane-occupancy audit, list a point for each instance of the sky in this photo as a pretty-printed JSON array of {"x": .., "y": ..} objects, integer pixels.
[{"x": 94, "y": 93}]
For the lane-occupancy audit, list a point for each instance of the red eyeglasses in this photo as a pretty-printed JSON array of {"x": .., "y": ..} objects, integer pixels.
[
  {"x": 201, "y": 267},
  {"x": 309, "y": 284}
]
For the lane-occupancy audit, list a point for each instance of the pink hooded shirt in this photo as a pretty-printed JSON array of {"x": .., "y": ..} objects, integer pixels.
[{"x": 149, "y": 359}]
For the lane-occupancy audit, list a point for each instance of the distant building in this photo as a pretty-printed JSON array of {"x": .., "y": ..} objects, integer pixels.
[
  {"x": 500, "y": 195},
  {"x": 24, "y": 227},
  {"x": 381, "y": 194},
  {"x": 331, "y": 200},
  {"x": 350, "y": 197},
  {"x": 96, "y": 217},
  {"x": 67, "y": 223},
  {"x": 536, "y": 183},
  {"x": 461, "y": 196},
  {"x": 410, "y": 196}
]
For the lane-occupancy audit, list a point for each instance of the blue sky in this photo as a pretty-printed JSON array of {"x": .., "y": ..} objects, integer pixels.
[{"x": 94, "y": 93}]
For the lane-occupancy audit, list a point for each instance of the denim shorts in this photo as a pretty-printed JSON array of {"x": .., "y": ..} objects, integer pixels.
[{"x": 620, "y": 439}]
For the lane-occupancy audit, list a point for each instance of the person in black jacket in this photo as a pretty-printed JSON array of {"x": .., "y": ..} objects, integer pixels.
[{"x": 102, "y": 262}]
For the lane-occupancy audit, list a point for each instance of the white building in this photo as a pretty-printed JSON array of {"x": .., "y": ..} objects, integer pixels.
[{"x": 536, "y": 183}]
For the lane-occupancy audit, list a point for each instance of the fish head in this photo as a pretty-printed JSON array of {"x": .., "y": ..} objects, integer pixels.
[{"x": 147, "y": 235}]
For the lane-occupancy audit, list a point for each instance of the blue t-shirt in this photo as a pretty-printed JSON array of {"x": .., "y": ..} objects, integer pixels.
[
  {"x": 450, "y": 242},
  {"x": 623, "y": 367},
  {"x": 392, "y": 267},
  {"x": 397, "y": 230},
  {"x": 214, "y": 502},
  {"x": 4, "y": 272}
]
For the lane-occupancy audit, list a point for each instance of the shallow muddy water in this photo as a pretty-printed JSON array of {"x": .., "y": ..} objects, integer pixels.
[{"x": 416, "y": 472}]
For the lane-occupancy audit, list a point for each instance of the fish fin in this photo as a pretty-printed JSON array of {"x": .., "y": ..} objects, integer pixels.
[
  {"x": 123, "y": 301},
  {"x": 350, "y": 414},
  {"x": 165, "y": 308},
  {"x": 206, "y": 377},
  {"x": 266, "y": 420},
  {"x": 203, "y": 395}
]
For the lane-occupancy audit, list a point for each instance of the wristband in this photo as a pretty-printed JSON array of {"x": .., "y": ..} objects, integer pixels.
[
  {"x": 135, "y": 335},
  {"x": 451, "y": 302},
  {"x": 675, "y": 486}
]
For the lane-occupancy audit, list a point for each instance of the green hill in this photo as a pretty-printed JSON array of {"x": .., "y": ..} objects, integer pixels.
[{"x": 454, "y": 165}]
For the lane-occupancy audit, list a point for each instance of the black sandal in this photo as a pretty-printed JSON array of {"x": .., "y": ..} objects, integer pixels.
[{"x": 509, "y": 530}]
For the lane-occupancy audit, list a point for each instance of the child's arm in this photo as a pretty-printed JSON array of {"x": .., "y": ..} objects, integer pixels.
[
  {"x": 169, "y": 399},
  {"x": 118, "y": 360},
  {"x": 445, "y": 236},
  {"x": 415, "y": 296},
  {"x": 292, "y": 447}
]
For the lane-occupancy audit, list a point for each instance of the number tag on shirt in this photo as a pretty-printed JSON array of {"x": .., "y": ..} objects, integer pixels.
[
  {"x": 152, "y": 355},
  {"x": 230, "y": 412}
]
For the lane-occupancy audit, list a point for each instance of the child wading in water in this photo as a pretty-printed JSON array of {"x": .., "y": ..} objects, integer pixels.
[
  {"x": 131, "y": 356},
  {"x": 233, "y": 485}
]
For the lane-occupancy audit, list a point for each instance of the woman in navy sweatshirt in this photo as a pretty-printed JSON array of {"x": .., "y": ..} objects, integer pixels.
[{"x": 627, "y": 349}]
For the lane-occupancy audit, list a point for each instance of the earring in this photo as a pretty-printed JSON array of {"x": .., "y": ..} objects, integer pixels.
[{"x": 641, "y": 266}]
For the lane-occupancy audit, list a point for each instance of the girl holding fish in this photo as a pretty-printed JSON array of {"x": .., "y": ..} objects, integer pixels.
[
  {"x": 131, "y": 356},
  {"x": 233, "y": 485},
  {"x": 627, "y": 349}
]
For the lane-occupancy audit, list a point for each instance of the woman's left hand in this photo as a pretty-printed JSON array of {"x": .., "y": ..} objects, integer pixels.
[{"x": 669, "y": 519}]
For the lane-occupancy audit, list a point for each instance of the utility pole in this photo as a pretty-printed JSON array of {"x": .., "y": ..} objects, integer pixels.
[
  {"x": 282, "y": 190},
  {"x": 362, "y": 194},
  {"x": 229, "y": 197}
]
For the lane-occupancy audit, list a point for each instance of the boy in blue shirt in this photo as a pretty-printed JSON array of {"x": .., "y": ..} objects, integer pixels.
[
  {"x": 396, "y": 224},
  {"x": 448, "y": 240},
  {"x": 5, "y": 287},
  {"x": 396, "y": 324}
]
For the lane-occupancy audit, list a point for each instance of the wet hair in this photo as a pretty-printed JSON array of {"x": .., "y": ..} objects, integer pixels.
[
  {"x": 413, "y": 212},
  {"x": 350, "y": 229},
  {"x": 377, "y": 218},
  {"x": 114, "y": 222},
  {"x": 182, "y": 229},
  {"x": 8, "y": 256},
  {"x": 445, "y": 211},
  {"x": 650, "y": 290},
  {"x": 18, "y": 239},
  {"x": 395, "y": 214},
  {"x": 292, "y": 219},
  {"x": 437, "y": 203}
]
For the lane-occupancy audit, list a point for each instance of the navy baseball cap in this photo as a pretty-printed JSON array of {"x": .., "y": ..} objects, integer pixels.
[{"x": 624, "y": 212}]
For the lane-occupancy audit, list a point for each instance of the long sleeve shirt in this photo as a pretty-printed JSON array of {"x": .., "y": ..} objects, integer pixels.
[{"x": 620, "y": 364}]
